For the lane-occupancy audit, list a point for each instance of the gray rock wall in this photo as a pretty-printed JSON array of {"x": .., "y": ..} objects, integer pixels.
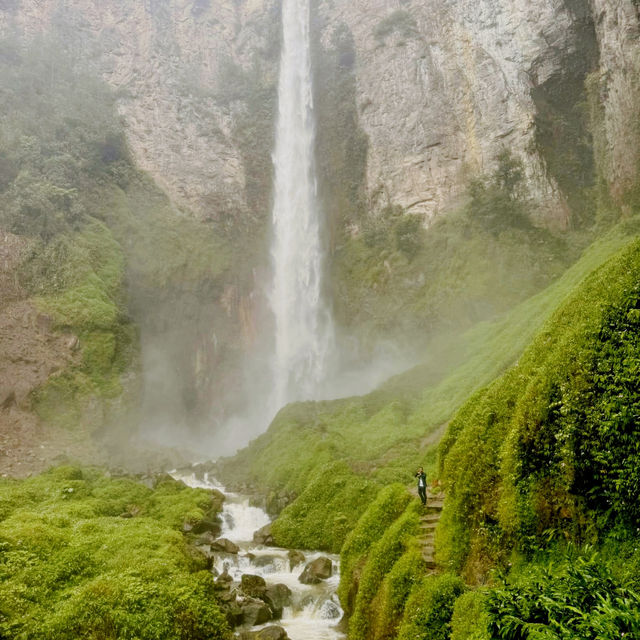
[{"x": 442, "y": 86}]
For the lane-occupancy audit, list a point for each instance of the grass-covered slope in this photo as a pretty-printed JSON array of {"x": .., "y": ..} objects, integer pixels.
[
  {"x": 83, "y": 555},
  {"x": 551, "y": 448},
  {"x": 545, "y": 454},
  {"x": 380, "y": 438}
]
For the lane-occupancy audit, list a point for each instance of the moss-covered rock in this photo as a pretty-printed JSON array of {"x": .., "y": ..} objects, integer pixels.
[{"x": 72, "y": 567}]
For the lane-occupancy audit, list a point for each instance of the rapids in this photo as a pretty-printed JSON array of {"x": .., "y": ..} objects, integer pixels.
[{"x": 315, "y": 610}]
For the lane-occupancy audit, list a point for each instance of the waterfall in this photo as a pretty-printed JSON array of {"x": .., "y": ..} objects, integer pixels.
[{"x": 303, "y": 327}]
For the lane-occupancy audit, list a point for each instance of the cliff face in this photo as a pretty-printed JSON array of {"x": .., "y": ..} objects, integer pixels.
[
  {"x": 171, "y": 64},
  {"x": 415, "y": 98},
  {"x": 618, "y": 84},
  {"x": 442, "y": 87}
]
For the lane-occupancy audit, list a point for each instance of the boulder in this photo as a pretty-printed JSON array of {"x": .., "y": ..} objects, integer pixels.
[
  {"x": 263, "y": 535},
  {"x": 224, "y": 580},
  {"x": 271, "y": 632},
  {"x": 224, "y": 545},
  {"x": 277, "y": 596},
  {"x": 295, "y": 558},
  {"x": 254, "y": 611},
  {"x": 206, "y": 525},
  {"x": 264, "y": 561},
  {"x": 316, "y": 571},
  {"x": 253, "y": 586},
  {"x": 205, "y": 539},
  {"x": 234, "y": 614}
]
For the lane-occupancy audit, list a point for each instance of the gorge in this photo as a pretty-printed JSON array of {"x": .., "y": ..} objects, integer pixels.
[{"x": 321, "y": 243}]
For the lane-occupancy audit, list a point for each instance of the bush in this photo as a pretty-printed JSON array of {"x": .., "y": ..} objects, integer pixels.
[
  {"x": 388, "y": 605},
  {"x": 383, "y": 555},
  {"x": 528, "y": 461},
  {"x": 71, "y": 567},
  {"x": 578, "y": 599},
  {"x": 470, "y": 620},
  {"x": 427, "y": 615},
  {"x": 389, "y": 504}
]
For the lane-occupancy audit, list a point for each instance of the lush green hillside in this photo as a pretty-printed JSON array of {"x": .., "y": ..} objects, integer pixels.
[
  {"x": 83, "y": 555},
  {"x": 551, "y": 448},
  {"x": 543, "y": 455},
  {"x": 333, "y": 457}
]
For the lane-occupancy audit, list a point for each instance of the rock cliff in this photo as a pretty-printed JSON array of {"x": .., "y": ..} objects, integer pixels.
[{"x": 442, "y": 86}]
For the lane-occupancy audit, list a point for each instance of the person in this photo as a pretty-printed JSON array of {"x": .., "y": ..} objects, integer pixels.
[{"x": 422, "y": 485}]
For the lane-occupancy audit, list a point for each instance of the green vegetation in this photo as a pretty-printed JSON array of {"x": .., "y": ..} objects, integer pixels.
[
  {"x": 396, "y": 279},
  {"x": 558, "y": 429},
  {"x": 470, "y": 621},
  {"x": 387, "y": 433},
  {"x": 384, "y": 553},
  {"x": 83, "y": 555},
  {"x": 576, "y": 597},
  {"x": 584, "y": 321},
  {"x": 388, "y": 505},
  {"x": 430, "y": 607},
  {"x": 100, "y": 230}
]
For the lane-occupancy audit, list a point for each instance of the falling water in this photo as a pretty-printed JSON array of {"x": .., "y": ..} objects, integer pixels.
[{"x": 303, "y": 327}]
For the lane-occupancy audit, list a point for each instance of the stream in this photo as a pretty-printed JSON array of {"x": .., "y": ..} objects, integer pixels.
[{"x": 315, "y": 610}]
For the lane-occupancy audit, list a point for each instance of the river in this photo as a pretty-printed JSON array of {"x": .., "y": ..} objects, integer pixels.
[{"x": 315, "y": 610}]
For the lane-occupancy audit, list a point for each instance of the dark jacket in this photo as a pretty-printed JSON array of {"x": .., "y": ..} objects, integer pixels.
[{"x": 422, "y": 476}]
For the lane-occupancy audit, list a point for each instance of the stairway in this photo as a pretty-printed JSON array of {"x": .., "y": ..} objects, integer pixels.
[{"x": 428, "y": 523}]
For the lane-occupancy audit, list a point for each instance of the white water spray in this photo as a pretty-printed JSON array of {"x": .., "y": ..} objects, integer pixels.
[{"x": 303, "y": 327}]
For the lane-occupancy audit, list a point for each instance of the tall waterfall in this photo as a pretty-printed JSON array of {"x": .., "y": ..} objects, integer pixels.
[{"x": 303, "y": 327}]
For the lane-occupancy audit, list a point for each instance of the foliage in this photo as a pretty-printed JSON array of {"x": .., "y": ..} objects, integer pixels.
[
  {"x": 498, "y": 201},
  {"x": 72, "y": 567},
  {"x": 384, "y": 435},
  {"x": 518, "y": 459},
  {"x": 389, "y": 603},
  {"x": 470, "y": 621},
  {"x": 388, "y": 505},
  {"x": 429, "y": 608},
  {"x": 383, "y": 555},
  {"x": 331, "y": 489},
  {"x": 577, "y": 599},
  {"x": 395, "y": 279}
]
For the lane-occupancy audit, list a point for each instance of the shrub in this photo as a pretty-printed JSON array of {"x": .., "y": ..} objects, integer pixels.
[
  {"x": 578, "y": 599},
  {"x": 470, "y": 620},
  {"x": 388, "y": 505},
  {"x": 71, "y": 567},
  {"x": 380, "y": 560},
  {"x": 427, "y": 615},
  {"x": 388, "y": 605}
]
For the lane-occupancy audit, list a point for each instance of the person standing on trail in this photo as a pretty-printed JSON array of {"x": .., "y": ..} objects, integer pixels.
[{"x": 422, "y": 485}]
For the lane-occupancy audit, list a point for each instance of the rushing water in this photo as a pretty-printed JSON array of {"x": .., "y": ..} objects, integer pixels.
[
  {"x": 303, "y": 327},
  {"x": 315, "y": 610}
]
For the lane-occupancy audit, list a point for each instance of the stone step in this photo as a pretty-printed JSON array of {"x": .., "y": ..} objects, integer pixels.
[{"x": 430, "y": 517}]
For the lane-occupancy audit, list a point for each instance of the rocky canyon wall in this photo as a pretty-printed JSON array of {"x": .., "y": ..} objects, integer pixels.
[
  {"x": 415, "y": 99},
  {"x": 442, "y": 86}
]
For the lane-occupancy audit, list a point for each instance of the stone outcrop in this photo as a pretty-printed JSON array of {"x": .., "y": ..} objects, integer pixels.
[
  {"x": 271, "y": 632},
  {"x": 225, "y": 546},
  {"x": 263, "y": 535},
  {"x": 618, "y": 93},
  {"x": 317, "y": 570}
]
